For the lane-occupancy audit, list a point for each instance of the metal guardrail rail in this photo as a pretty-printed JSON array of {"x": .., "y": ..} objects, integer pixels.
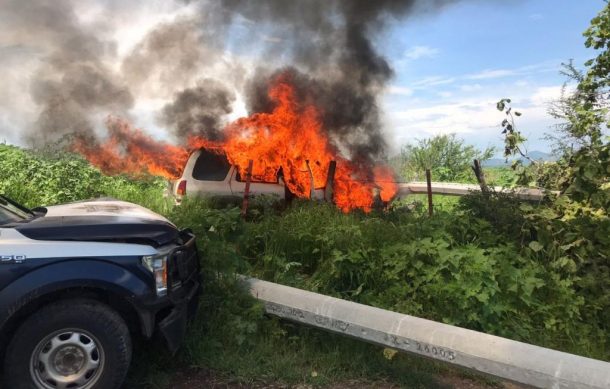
[
  {"x": 500, "y": 357},
  {"x": 452, "y": 189}
]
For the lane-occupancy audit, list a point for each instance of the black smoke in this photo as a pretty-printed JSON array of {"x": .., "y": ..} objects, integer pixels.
[
  {"x": 73, "y": 82},
  {"x": 199, "y": 110},
  {"x": 171, "y": 55},
  {"x": 327, "y": 47},
  {"x": 332, "y": 60}
]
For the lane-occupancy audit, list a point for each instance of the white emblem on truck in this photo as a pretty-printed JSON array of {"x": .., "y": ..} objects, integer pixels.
[{"x": 12, "y": 258}]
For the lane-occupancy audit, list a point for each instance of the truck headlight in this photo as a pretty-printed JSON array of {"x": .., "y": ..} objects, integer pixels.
[{"x": 157, "y": 264}]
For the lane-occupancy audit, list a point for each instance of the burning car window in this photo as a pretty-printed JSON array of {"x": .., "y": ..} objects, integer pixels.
[
  {"x": 239, "y": 178},
  {"x": 211, "y": 167}
]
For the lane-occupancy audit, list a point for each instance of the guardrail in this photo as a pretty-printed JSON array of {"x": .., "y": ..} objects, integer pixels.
[
  {"x": 500, "y": 357},
  {"x": 452, "y": 189}
]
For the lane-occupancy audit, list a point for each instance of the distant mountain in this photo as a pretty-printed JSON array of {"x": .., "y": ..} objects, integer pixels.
[{"x": 535, "y": 155}]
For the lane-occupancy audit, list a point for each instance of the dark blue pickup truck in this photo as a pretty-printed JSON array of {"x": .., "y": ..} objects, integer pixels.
[{"x": 78, "y": 281}]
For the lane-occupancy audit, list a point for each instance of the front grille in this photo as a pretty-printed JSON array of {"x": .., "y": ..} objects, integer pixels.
[{"x": 183, "y": 263}]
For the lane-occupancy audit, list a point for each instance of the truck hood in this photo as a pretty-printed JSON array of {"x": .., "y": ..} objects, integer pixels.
[
  {"x": 96, "y": 208},
  {"x": 100, "y": 221}
]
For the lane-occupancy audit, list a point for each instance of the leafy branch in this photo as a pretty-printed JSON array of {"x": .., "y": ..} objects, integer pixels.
[{"x": 513, "y": 140}]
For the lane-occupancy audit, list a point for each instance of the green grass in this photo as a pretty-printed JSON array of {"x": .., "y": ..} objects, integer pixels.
[
  {"x": 419, "y": 202},
  {"x": 287, "y": 354},
  {"x": 500, "y": 176}
]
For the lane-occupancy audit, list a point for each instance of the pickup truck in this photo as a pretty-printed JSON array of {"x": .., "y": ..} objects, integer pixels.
[{"x": 79, "y": 280}]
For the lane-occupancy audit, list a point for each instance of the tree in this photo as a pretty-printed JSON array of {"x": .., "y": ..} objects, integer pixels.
[
  {"x": 446, "y": 155},
  {"x": 587, "y": 120},
  {"x": 582, "y": 135},
  {"x": 575, "y": 226},
  {"x": 584, "y": 167}
]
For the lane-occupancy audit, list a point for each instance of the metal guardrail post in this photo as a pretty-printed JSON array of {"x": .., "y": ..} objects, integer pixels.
[
  {"x": 244, "y": 206},
  {"x": 516, "y": 361},
  {"x": 330, "y": 182},
  {"x": 429, "y": 190}
]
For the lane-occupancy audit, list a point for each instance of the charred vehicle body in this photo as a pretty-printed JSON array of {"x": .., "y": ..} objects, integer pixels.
[{"x": 78, "y": 281}]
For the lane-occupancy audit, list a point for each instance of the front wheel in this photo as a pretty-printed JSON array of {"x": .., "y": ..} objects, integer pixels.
[{"x": 80, "y": 344}]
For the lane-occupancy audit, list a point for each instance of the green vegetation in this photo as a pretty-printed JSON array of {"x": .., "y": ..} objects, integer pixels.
[
  {"x": 448, "y": 158},
  {"x": 488, "y": 263},
  {"x": 34, "y": 179}
]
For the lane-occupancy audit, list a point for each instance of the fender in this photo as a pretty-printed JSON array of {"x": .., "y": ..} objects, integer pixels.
[{"x": 97, "y": 273}]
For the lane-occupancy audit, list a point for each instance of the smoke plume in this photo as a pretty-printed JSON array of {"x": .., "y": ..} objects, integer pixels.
[
  {"x": 199, "y": 110},
  {"x": 172, "y": 55},
  {"x": 332, "y": 60},
  {"x": 196, "y": 61},
  {"x": 73, "y": 82}
]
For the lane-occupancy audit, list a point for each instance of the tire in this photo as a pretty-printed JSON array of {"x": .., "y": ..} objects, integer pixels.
[{"x": 80, "y": 342}]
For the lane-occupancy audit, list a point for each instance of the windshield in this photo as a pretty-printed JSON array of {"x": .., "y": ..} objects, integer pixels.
[{"x": 10, "y": 212}]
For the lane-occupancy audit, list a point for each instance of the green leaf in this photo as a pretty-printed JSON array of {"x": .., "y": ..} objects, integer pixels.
[{"x": 535, "y": 246}]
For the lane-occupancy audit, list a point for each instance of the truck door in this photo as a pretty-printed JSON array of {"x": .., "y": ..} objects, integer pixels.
[
  {"x": 211, "y": 175},
  {"x": 238, "y": 186}
]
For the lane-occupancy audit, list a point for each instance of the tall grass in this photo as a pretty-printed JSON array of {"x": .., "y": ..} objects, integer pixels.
[{"x": 35, "y": 179}]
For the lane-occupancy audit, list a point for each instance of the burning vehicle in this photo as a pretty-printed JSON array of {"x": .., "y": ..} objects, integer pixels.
[
  {"x": 288, "y": 146},
  {"x": 78, "y": 280},
  {"x": 208, "y": 173}
]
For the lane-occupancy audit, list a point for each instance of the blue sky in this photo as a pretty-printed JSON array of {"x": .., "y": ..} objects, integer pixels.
[{"x": 451, "y": 67}]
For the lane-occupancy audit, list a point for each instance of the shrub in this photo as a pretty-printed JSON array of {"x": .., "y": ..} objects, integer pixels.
[{"x": 446, "y": 155}]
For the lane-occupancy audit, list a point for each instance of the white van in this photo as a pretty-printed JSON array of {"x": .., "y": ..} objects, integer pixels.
[{"x": 210, "y": 174}]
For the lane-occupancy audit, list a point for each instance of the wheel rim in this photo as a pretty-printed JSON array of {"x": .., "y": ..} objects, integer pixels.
[{"x": 67, "y": 359}]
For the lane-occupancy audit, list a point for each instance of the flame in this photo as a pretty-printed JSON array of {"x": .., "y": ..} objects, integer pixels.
[
  {"x": 289, "y": 141},
  {"x": 129, "y": 150}
]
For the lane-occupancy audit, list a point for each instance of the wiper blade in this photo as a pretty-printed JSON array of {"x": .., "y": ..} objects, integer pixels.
[{"x": 7, "y": 201}]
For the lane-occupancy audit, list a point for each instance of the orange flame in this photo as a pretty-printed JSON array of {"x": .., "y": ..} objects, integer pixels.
[
  {"x": 288, "y": 138},
  {"x": 129, "y": 150}
]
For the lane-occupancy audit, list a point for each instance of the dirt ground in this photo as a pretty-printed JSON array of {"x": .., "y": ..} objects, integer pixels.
[{"x": 196, "y": 378}]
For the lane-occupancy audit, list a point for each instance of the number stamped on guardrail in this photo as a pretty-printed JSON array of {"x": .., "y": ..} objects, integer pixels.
[
  {"x": 345, "y": 327},
  {"x": 435, "y": 351}
]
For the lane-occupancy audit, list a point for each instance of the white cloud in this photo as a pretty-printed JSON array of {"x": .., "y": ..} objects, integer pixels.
[
  {"x": 432, "y": 81},
  {"x": 470, "y": 87},
  {"x": 543, "y": 67},
  {"x": 474, "y": 82},
  {"x": 445, "y": 94},
  {"x": 475, "y": 118},
  {"x": 547, "y": 94},
  {"x": 466, "y": 105},
  {"x": 449, "y": 117},
  {"x": 417, "y": 52},
  {"x": 489, "y": 73},
  {"x": 536, "y": 16},
  {"x": 400, "y": 90},
  {"x": 522, "y": 83}
]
